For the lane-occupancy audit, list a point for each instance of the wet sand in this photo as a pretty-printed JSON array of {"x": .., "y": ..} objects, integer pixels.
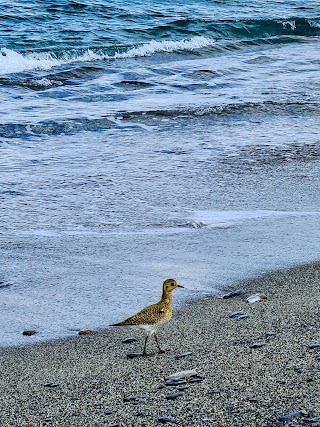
[{"x": 84, "y": 381}]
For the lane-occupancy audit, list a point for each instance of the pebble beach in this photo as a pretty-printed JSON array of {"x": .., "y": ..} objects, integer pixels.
[{"x": 261, "y": 370}]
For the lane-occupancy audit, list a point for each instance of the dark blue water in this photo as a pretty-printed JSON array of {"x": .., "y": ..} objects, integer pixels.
[{"x": 146, "y": 140}]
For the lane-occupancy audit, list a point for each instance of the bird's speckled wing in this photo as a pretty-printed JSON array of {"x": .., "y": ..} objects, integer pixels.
[{"x": 150, "y": 315}]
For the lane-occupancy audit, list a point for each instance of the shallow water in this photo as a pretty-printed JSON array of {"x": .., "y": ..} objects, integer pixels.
[{"x": 140, "y": 142}]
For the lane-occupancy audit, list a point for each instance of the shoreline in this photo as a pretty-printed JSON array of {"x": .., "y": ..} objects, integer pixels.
[{"x": 83, "y": 381}]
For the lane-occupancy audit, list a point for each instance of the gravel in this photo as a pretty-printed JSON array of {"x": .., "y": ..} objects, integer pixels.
[{"x": 243, "y": 386}]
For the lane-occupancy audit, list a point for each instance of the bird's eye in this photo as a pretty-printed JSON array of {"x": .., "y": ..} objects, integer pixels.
[{"x": 172, "y": 284}]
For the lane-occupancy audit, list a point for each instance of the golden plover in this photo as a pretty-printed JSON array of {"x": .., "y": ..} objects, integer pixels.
[{"x": 153, "y": 315}]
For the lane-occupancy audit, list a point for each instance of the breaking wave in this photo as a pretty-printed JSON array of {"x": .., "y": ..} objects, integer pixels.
[
  {"x": 15, "y": 62},
  {"x": 223, "y": 35}
]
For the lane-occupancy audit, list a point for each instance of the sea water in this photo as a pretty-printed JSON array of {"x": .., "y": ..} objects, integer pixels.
[{"x": 146, "y": 140}]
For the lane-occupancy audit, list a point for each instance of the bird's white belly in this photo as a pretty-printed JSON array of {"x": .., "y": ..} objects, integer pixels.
[{"x": 149, "y": 329}]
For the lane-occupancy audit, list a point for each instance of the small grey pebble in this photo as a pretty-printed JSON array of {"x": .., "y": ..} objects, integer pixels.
[
  {"x": 166, "y": 420},
  {"x": 133, "y": 355},
  {"x": 182, "y": 387},
  {"x": 214, "y": 391},
  {"x": 238, "y": 315},
  {"x": 172, "y": 396},
  {"x": 108, "y": 412},
  {"x": 314, "y": 345},
  {"x": 129, "y": 340},
  {"x": 52, "y": 385},
  {"x": 197, "y": 378},
  {"x": 133, "y": 398},
  {"x": 232, "y": 294},
  {"x": 180, "y": 356},
  {"x": 290, "y": 417},
  {"x": 311, "y": 421},
  {"x": 258, "y": 344},
  {"x": 175, "y": 382}
]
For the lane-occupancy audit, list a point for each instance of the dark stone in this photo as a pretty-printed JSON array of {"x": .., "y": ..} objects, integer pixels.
[
  {"x": 270, "y": 334},
  {"x": 108, "y": 412},
  {"x": 52, "y": 385},
  {"x": 133, "y": 355},
  {"x": 29, "y": 333},
  {"x": 5, "y": 284},
  {"x": 113, "y": 425},
  {"x": 86, "y": 332},
  {"x": 238, "y": 315},
  {"x": 258, "y": 344},
  {"x": 165, "y": 420},
  {"x": 298, "y": 369},
  {"x": 3, "y": 54},
  {"x": 232, "y": 294},
  {"x": 133, "y": 399},
  {"x": 197, "y": 378},
  {"x": 98, "y": 404},
  {"x": 182, "y": 387},
  {"x": 314, "y": 420},
  {"x": 48, "y": 420},
  {"x": 175, "y": 382},
  {"x": 314, "y": 345},
  {"x": 179, "y": 356},
  {"x": 214, "y": 392},
  {"x": 280, "y": 381},
  {"x": 253, "y": 399},
  {"x": 129, "y": 340},
  {"x": 290, "y": 417},
  {"x": 172, "y": 396}
]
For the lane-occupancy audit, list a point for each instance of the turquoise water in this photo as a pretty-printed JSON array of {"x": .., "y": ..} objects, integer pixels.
[{"x": 146, "y": 140}]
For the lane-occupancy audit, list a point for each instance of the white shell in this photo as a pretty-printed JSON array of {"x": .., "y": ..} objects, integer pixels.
[
  {"x": 182, "y": 374},
  {"x": 256, "y": 297}
]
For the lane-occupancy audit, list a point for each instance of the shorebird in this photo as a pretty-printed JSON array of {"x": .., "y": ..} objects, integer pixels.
[{"x": 153, "y": 315}]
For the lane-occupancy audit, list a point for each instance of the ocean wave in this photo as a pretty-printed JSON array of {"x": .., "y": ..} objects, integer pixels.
[
  {"x": 220, "y": 35},
  {"x": 15, "y": 62},
  {"x": 225, "y": 219},
  {"x": 144, "y": 119},
  {"x": 169, "y": 46}
]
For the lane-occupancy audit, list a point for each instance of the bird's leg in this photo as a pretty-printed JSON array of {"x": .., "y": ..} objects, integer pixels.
[
  {"x": 157, "y": 342},
  {"x": 145, "y": 346}
]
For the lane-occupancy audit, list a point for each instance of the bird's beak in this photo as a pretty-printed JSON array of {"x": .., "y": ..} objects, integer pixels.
[{"x": 180, "y": 286}]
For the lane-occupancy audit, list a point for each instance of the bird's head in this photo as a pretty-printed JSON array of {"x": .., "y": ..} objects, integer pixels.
[{"x": 169, "y": 285}]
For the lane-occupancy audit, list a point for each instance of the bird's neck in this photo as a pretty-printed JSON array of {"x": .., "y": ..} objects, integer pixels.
[{"x": 167, "y": 296}]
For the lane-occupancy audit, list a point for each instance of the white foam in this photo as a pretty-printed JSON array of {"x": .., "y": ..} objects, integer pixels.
[
  {"x": 313, "y": 23},
  {"x": 225, "y": 219},
  {"x": 289, "y": 24},
  {"x": 15, "y": 62},
  {"x": 154, "y": 46}
]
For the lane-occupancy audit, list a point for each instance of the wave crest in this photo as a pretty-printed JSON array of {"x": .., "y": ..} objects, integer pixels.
[{"x": 15, "y": 62}]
